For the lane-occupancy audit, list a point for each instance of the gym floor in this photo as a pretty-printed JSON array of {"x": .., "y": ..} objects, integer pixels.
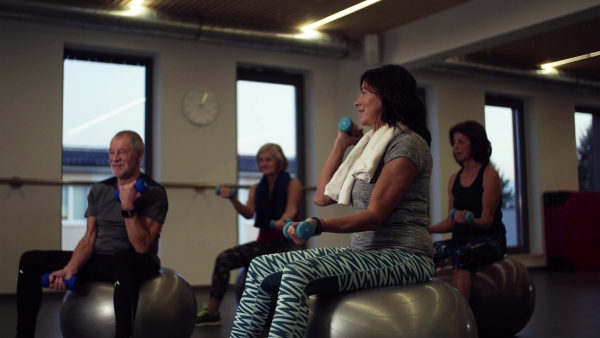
[{"x": 567, "y": 305}]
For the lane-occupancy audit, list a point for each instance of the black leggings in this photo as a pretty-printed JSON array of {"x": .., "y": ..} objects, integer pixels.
[
  {"x": 127, "y": 269},
  {"x": 240, "y": 256}
]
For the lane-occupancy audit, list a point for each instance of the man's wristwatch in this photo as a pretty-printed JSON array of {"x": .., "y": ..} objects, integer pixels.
[{"x": 128, "y": 213}]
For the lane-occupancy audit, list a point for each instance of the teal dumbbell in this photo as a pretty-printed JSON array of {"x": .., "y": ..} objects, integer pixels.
[
  {"x": 345, "y": 125},
  {"x": 233, "y": 192},
  {"x": 71, "y": 283},
  {"x": 469, "y": 217},
  {"x": 141, "y": 186},
  {"x": 272, "y": 223},
  {"x": 285, "y": 229},
  {"x": 305, "y": 230}
]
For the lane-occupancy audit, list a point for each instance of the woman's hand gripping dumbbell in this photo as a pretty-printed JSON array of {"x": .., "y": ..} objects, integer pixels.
[
  {"x": 469, "y": 216},
  {"x": 232, "y": 192},
  {"x": 273, "y": 223},
  {"x": 304, "y": 230},
  {"x": 346, "y": 125}
]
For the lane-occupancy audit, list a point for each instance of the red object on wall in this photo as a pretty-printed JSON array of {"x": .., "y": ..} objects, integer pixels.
[{"x": 572, "y": 227}]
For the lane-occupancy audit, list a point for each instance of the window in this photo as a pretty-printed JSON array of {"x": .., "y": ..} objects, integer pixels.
[
  {"x": 269, "y": 110},
  {"x": 586, "y": 135},
  {"x": 504, "y": 126},
  {"x": 102, "y": 95}
]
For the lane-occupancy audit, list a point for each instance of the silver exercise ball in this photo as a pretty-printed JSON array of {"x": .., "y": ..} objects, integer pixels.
[
  {"x": 502, "y": 296},
  {"x": 166, "y": 308},
  {"x": 432, "y": 309},
  {"x": 240, "y": 283}
]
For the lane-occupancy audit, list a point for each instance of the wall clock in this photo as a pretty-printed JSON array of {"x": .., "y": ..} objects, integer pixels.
[{"x": 200, "y": 106}]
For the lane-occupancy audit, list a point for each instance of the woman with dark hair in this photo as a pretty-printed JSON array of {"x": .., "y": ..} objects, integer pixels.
[
  {"x": 273, "y": 200},
  {"x": 386, "y": 180},
  {"x": 474, "y": 208}
]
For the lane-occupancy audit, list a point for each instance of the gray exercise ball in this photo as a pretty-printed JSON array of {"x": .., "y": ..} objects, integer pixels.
[
  {"x": 166, "y": 308},
  {"x": 432, "y": 309},
  {"x": 240, "y": 283},
  {"x": 502, "y": 296}
]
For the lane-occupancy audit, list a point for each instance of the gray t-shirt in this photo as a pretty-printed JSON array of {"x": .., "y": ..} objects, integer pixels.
[
  {"x": 112, "y": 234},
  {"x": 406, "y": 227}
]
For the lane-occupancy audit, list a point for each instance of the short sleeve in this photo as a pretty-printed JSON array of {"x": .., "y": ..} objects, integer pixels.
[
  {"x": 409, "y": 145},
  {"x": 154, "y": 204}
]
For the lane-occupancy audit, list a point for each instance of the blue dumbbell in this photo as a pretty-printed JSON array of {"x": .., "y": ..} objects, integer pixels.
[
  {"x": 345, "y": 125},
  {"x": 469, "y": 217},
  {"x": 141, "y": 186},
  {"x": 71, "y": 282},
  {"x": 305, "y": 230},
  {"x": 233, "y": 191}
]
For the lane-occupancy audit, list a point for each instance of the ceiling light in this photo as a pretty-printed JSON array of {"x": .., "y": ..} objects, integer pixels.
[
  {"x": 136, "y": 3},
  {"x": 134, "y": 8},
  {"x": 569, "y": 60},
  {"x": 340, "y": 14}
]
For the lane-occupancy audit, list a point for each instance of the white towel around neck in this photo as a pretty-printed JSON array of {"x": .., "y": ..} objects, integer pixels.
[{"x": 361, "y": 163}]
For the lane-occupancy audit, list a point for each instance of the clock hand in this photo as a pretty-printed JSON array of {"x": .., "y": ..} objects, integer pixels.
[{"x": 204, "y": 99}]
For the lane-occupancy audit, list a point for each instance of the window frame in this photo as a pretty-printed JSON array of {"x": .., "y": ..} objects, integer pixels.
[
  {"x": 521, "y": 201},
  {"x": 95, "y": 161},
  {"x": 595, "y": 112},
  {"x": 128, "y": 59},
  {"x": 278, "y": 76}
]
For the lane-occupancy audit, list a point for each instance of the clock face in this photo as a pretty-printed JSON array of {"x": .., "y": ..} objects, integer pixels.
[{"x": 200, "y": 106}]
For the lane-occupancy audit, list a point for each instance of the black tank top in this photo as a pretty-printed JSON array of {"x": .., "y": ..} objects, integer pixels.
[{"x": 470, "y": 198}]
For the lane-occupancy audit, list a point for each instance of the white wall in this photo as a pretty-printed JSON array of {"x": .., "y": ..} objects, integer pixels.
[
  {"x": 550, "y": 139},
  {"x": 199, "y": 225},
  {"x": 30, "y": 138}
]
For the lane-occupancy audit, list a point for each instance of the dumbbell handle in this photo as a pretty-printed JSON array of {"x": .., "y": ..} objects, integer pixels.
[
  {"x": 304, "y": 230},
  {"x": 71, "y": 283},
  {"x": 469, "y": 217}
]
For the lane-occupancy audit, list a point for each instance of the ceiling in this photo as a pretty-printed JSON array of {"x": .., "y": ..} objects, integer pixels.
[
  {"x": 561, "y": 43},
  {"x": 523, "y": 53},
  {"x": 292, "y": 14}
]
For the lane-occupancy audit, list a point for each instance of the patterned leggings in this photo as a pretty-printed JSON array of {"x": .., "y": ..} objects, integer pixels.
[
  {"x": 240, "y": 256},
  {"x": 299, "y": 274},
  {"x": 473, "y": 254}
]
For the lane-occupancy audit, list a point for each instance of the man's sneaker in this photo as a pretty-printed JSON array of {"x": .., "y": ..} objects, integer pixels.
[{"x": 205, "y": 318}]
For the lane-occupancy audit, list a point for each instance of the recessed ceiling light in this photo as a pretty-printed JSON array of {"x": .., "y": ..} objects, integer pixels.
[
  {"x": 134, "y": 8},
  {"x": 569, "y": 60},
  {"x": 339, "y": 14},
  {"x": 136, "y": 3}
]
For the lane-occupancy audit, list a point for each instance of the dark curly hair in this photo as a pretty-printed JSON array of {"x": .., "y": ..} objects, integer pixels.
[
  {"x": 400, "y": 100},
  {"x": 481, "y": 147}
]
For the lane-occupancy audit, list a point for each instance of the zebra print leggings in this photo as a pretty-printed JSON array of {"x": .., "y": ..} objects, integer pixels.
[
  {"x": 299, "y": 274},
  {"x": 242, "y": 255}
]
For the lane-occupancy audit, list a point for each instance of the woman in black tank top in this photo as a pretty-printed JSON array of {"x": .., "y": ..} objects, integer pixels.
[{"x": 474, "y": 208}]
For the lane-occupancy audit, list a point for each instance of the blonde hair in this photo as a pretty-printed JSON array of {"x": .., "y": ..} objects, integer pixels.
[{"x": 276, "y": 152}]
